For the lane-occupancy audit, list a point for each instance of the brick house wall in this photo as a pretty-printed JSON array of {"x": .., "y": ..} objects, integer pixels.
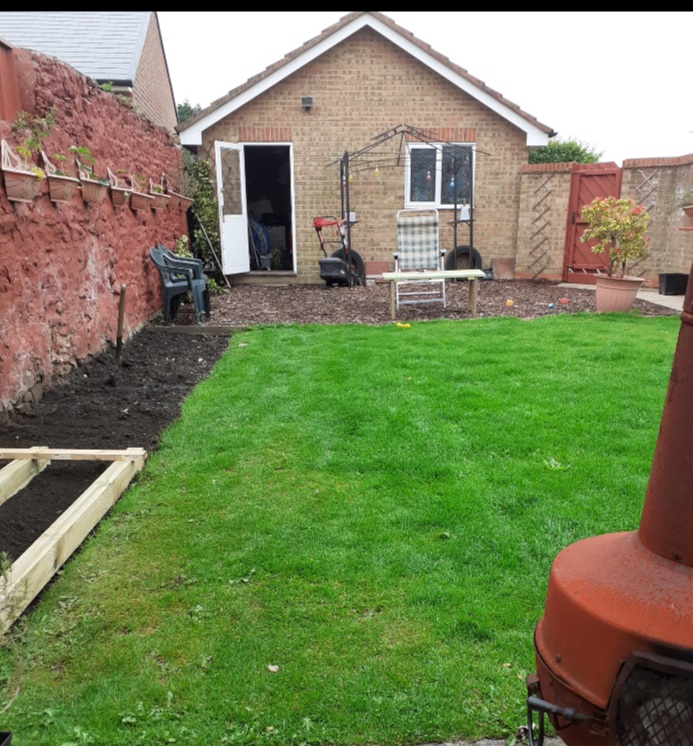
[
  {"x": 362, "y": 87},
  {"x": 151, "y": 89},
  {"x": 62, "y": 265}
]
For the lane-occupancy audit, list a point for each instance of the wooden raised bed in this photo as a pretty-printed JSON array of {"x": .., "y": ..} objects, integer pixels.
[{"x": 28, "y": 575}]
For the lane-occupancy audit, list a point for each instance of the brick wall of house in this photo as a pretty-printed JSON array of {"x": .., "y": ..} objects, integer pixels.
[
  {"x": 362, "y": 88},
  {"x": 62, "y": 265},
  {"x": 151, "y": 91}
]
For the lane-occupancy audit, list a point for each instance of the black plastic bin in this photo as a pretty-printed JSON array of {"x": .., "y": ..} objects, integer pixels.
[
  {"x": 5, "y": 739},
  {"x": 673, "y": 283}
]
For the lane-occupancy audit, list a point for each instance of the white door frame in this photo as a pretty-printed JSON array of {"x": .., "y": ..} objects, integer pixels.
[{"x": 233, "y": 211}]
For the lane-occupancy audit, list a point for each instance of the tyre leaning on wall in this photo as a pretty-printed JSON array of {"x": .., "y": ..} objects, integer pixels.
[{"x": 463, "y": 257}]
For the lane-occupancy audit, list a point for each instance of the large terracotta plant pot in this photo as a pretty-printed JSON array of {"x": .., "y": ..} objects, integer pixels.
[{"x": 616, "y": 294}]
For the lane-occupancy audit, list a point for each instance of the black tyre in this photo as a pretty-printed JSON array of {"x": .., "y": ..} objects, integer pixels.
[
  {"x": 463, "y": 257},
  {"x": 358, "y": 268}
]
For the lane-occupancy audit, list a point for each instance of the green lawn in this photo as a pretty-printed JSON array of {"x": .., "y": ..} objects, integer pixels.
[{"x": 346, "y": 537}]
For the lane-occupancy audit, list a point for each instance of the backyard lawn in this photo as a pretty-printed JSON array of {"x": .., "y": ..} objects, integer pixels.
[{"x": 346, "y": 537}]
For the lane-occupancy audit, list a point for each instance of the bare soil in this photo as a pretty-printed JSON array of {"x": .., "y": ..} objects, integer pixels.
[{"x": 101, "y": 405}]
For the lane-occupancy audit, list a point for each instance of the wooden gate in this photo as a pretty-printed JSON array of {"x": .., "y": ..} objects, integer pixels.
[{"x": 589, "y": 181}]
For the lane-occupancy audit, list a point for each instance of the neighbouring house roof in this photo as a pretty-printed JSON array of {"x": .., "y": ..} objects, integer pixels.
[
  {"x": 191, "y": 131},
  {"x": 105, "y": 45}
]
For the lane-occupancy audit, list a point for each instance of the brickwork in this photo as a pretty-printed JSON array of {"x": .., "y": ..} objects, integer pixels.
[
  {"x": 361, "y": 88},
  {"x": 663, "y": 186},
  {"x": 62, "y": 265},
  {"x": 151, "y": 89},
  {"x": 544, "y": 194}
]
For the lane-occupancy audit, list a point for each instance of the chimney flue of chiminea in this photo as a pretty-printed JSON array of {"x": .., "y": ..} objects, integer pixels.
[{"x": 614, "y": 647}]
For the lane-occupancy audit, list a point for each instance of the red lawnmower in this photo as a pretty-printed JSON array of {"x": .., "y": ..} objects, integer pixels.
[{"x": 343, "y": 266}]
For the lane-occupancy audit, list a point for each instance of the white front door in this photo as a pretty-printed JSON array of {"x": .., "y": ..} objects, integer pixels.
[{"x": 233, "y": 214}]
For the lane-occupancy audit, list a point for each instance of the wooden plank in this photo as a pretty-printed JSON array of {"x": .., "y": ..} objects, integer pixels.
[
  {"x": 34, "y": 569},
  {"x": 16, "y": 475},
  {"x": 441, "y": 274},
  {"x": 74, "y": 454},
  {"x": 473, "y": 275}
]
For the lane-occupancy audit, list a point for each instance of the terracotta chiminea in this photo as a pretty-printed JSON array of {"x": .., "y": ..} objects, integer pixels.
[{"x": 614, "y": 648}]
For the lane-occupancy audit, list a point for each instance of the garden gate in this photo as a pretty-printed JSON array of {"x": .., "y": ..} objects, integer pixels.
[{"x": 589, "y": 181}]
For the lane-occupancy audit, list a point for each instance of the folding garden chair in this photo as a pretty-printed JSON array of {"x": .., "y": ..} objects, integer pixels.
[{"x": 418, "y": 251}]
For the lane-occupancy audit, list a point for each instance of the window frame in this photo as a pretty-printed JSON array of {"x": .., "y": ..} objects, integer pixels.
[{"x": 438, "y": 191}]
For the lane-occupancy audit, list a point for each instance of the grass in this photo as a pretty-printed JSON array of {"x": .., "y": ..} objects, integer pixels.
[{"x": 372, "y": 510}]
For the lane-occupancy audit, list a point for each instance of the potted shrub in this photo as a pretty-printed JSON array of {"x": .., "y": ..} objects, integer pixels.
[
  {"x": 93, "y": 189},
  {"x": 618, "y": 226},
  {"x": 60, "y": 186},
  {"x": 139, "y": 199},
  {"x": 177, "y": 198},
  {"x": 22, "y": 179},
  {"x": 119, "y": 195},
  {"x": 160, "y": 198}
]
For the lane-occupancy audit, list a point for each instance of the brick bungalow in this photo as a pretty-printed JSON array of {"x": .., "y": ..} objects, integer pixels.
[{"x": 368, "y": 92}]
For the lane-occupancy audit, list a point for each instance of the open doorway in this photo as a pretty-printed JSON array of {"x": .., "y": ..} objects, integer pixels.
[{"x": 268, "y": 196}]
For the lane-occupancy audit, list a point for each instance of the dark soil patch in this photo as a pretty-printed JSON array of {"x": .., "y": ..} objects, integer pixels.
[{"x": 101, "y": 406}]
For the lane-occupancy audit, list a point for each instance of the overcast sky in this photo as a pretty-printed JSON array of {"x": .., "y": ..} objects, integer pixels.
[{"x": 616, "y": 81}]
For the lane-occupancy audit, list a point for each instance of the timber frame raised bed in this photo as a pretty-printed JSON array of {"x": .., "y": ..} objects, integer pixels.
[{"x": 30, "y": 573}]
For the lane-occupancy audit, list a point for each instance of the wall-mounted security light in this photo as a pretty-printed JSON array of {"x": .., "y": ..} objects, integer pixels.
[{"x": 307, "y": 103}]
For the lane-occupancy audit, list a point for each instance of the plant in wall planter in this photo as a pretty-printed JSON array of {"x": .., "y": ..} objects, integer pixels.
[
  {"x": 23, "y": 180},
  {"x": 120, "y": 195},
  {"x": 94, "y": 189},
  {"x": 140, "y": 200},
  {"x": 161, "y": 199},
  {"x": 61, "y": 187},
  {"x": 618, "y": 226},
  {"x": 177, "y": 199}
]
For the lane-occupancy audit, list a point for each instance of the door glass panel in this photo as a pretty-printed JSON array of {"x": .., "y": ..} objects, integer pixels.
[{"x": 231, "y": 179}]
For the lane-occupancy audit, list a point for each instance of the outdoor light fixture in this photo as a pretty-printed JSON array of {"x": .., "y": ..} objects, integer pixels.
[{"x": 307, "y": 103}]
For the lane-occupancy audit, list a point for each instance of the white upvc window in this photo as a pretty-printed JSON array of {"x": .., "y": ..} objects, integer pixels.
[{"x": 439, "y": 174}]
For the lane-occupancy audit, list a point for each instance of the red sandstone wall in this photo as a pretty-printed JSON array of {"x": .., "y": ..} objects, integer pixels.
[{"x": 62, "y": 265}]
